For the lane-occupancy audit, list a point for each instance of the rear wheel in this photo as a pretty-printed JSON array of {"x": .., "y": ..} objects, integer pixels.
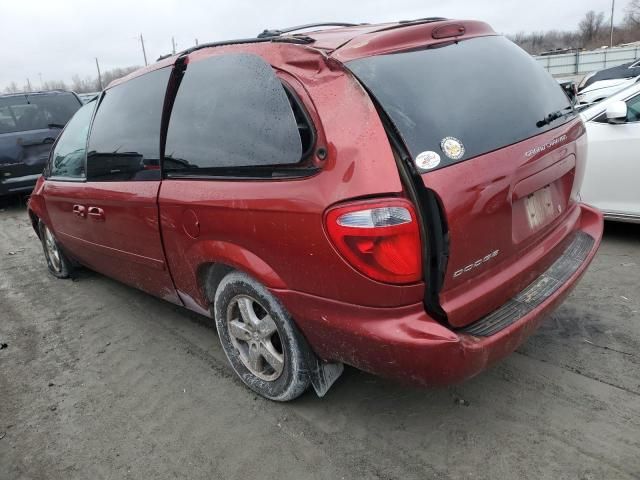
[
  {"x": 260, "y": 339},
  {"x": 59, "y": 265}
]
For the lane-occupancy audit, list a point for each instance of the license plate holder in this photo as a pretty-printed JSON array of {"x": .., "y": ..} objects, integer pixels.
[{"x": 539, "y": 208}]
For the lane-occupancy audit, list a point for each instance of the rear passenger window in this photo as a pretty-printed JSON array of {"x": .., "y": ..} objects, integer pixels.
[
  {"x": 231, "y": 111},
  {"x": 67, "y": 159},
  {"x": 125, "y": 137}
]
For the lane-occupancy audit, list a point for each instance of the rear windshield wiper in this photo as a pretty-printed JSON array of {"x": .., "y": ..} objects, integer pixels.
[
  {"x": 55, "y": 125},
  {"x": 554, "y": 116}
]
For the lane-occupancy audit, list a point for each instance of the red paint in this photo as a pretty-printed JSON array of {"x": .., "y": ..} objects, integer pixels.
[
  {"x": 483, "y": 201},
  {"x": 406, "y": 344},
  {"x": 390, "y": 254},
  {"x": 162, "y": 236}
]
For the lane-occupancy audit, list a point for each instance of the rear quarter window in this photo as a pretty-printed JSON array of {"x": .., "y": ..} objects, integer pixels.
[{"x": 231, "y": 111}]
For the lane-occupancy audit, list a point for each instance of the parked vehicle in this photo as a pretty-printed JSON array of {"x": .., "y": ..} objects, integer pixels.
[
  {"x": 613, "y": 166},
  {"x": 343, "y": 196},
  {"x": 621, "y": 72},
  {"x": 29, "y": 124},
  {"x": 570, "y": 89},
  {"x": 598, "y": 91},
  {"x": 86, "y": 97}
]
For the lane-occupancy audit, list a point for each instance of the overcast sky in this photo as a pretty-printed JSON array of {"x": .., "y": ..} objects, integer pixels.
[{"x": 56, "y": 39}]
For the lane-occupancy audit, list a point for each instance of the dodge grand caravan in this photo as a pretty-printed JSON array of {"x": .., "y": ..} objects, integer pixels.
[{"x": 398, "y": 197}]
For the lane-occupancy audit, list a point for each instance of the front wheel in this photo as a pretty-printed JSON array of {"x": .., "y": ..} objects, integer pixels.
[
  {"x": 59, "y": 265},
  {"x": 260, "y": 339}
]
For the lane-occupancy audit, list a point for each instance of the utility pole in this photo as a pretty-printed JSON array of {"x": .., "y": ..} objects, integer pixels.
[
  {"x": 99, "y": 74},
  {"x": 40, "y": 75},
  {"x": 196, "y": 42},
  {"x": 173, "y": 45},
  {"x": 29, "y": 85},
  {"x": 613, "y": 4},
  {"x": 144, "y": 53}
]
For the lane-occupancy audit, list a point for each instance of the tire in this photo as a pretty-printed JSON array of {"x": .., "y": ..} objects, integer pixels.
[
  {"x": 260, "y": 339},
  {"x": 57, "y": 262}
]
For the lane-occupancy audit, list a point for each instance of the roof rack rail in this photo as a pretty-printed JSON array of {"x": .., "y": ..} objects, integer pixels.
[
  {"x": 417, "y": 21},
  {"x": 281, "y": 31},
  {"x": 302, "y": 40},
  {"x": 424, "y": 20}
]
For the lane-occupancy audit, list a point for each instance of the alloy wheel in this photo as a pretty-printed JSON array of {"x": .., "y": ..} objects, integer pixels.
[
  {"x": 52, "y": 251},
  {"x": 255, "y": 336}
]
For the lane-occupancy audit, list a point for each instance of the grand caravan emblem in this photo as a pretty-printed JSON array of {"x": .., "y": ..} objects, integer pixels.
[
  {"x": 476, "y": 264},
  {"x": 542, "y": 148}
]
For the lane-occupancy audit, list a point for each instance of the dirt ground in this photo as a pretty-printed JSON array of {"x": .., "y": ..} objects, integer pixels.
[{"x": 102, "y": 381}]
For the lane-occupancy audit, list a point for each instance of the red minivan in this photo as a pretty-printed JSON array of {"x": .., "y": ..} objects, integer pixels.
[{"x": 397, "y": 197}]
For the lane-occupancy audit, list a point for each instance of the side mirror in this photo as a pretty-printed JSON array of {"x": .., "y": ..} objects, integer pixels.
[{"x": 617, "y": 112}]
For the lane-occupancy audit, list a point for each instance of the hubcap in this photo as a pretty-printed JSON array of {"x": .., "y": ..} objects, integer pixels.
[
  {"x": 51, "y": 249},
  {"x": 255, "y": 336}
]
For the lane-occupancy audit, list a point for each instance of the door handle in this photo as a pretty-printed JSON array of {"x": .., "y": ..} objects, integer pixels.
[
  {"x": 79, "y": 211},
  {"x": 96, "y": 213}
]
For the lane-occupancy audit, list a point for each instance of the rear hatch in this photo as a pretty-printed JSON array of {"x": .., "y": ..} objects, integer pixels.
[
  {"x": 495, "y": 138},
  {"x": 29, "y": 124}
]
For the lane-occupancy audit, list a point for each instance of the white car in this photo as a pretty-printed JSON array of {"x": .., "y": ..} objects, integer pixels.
[
  {"x": 612, "y": 172},
  {"x": 602, "y": 89}
]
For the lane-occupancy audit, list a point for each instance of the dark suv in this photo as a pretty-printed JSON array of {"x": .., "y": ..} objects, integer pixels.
[
  {"x": 399, "y": 197},
  {"x": 29, "y": 124}
]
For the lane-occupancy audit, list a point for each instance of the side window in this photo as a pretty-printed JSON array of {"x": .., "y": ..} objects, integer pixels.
[
  {"x": 633, "y": 109},
  {"x": 231, "y": 111},
  {"x": 125, "y": 137},
  {"x": 67, "y": 159},
  {"x": 8, "y": 122}
]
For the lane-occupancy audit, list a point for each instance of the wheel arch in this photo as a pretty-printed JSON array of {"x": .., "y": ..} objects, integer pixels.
[
  {"x": 35, "y": 221},
  {"x": 217, "y": 259}
]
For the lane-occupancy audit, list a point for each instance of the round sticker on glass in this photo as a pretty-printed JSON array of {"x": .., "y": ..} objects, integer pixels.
[
  {"x": 427, "y": 160},
  {"x": 452, "y": 148}
]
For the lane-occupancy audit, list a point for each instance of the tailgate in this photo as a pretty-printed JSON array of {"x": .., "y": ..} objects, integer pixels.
[
  {"x": 509, "y": 215},
  {"x": 495, "y": 139}
]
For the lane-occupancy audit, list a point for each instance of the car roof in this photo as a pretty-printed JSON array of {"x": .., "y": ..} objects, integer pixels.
[
  {"x": 346, "y": 43},
  {"x": 41, "y": 92}
]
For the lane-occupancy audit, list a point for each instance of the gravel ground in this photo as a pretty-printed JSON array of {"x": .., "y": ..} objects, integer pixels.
[{"x": 102, "y": 381}]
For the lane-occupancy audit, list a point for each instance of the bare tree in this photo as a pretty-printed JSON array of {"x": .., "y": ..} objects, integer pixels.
[
  {"x": 12, "y": 88},
  {"x": 590, "y": 27},
  {"x": 54, "y": 85},
  {"x": 632, "y": 14},
  {"x": 79, "y": 85}
]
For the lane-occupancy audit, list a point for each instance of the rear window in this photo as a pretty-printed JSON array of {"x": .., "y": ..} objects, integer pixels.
[
  {"x": 484, "y": 93},
  {"x": 21, "y": 113}
]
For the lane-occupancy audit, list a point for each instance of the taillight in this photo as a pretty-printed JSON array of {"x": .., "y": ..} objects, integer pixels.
[{"x": 380, "y": 239}]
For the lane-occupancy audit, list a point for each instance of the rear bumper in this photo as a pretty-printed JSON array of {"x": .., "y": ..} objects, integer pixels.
[{"x": 407, "y": 344}]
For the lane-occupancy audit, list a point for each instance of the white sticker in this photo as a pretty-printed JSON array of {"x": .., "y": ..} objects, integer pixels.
[
  {"x": 452, "y": 148},
  {"x": 427, "y": 160}
]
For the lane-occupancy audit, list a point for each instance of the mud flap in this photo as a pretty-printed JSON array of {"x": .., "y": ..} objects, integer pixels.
[{"x": 323, "y": 374}]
